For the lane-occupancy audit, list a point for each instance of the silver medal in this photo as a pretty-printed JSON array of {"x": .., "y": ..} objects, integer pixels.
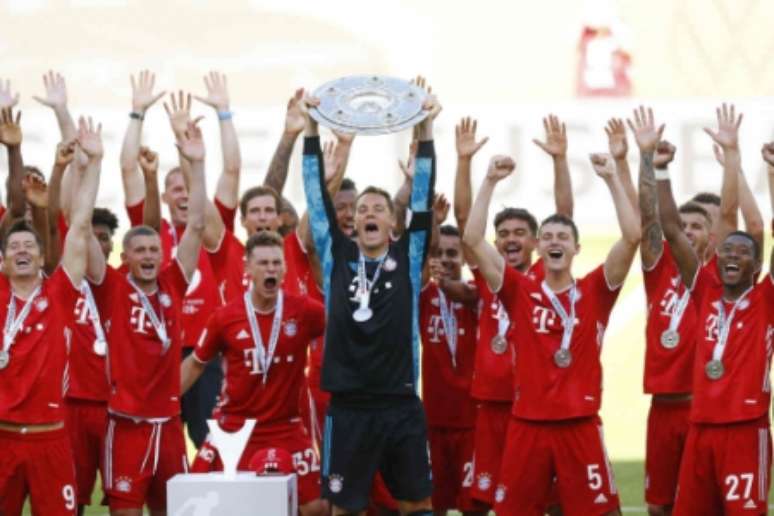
[
  {"x": 5, "y": 358},
  {"x": 670, "y": 339},
  {"x": 498, "y": 344},
  {"x": 563, "y": 358},
  {"x": 100, "y": 347},
  {"x": 714, "y": 369},
  {"x": 362, "y": 314}
]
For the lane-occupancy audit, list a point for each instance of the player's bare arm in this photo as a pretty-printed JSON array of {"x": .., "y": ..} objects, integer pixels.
[
  {"x": 179, "y": 113},
  {"x": 11, "y": 137},
  {"x": 727, "y": 138},
  {"x": 65, "y": 152},
  {"x": 36, "y": 195},
  {"x": 647, "y": 137},
  {"x": 143, "y": 97},
  {"x": 55, "y": 98},
  {"x": 191, "y": 147},
  {"x": 149, "y": 164},
  {"x": 489, "y": 262},
  {"x": 556, "y": 147},
  {"x": 751, "y": 213},
  {"x": 295, "y": 121},
  {"x": 619, "y": 147},
  {"x": 467, "y": 147},
  {"x": 79, "y": 235},
  {"x": 620, "y": 257}
]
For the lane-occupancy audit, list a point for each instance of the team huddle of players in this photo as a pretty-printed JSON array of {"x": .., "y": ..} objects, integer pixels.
[{"x": 313, "y": 325}]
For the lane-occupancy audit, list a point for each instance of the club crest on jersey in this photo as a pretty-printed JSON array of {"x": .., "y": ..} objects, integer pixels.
[
  {"x": 41, "y": 304},
  {"x": 484, "y": 482},
  {"x": 500, "y": 494},
  {"x": 291, "y": 328},
  {"x": 165, "y": 300},
  {"x": 390, "y": 264},
  {"x": 335, "y": 483},
  {"x": 124, "y": 484}
]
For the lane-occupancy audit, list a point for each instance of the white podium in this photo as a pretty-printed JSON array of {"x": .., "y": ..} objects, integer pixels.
[{"x": 246, "y": 494}]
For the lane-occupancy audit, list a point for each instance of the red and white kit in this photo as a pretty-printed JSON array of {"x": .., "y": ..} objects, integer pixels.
[
  {"x": 144, "y": 444},
  {"x": 264, "y": 376},
  {"x": 555, "y": 431},
  {"x": 33, "y": 376},
  {"x": 448, "y": 331},
  {"x": 727, "y": 458},
  {"x": 669, "y": 352},
  {"x": 493, "y": 385},
  {"x": 87, "y": 393}
]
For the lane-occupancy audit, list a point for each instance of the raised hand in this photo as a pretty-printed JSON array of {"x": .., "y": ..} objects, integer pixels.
[
  {"x": 10, "y": 130},
  {"x": 190, "y": 143},
  {"x": 35, "y": 190},
  {"x": 217, "y": 92},
  {"x": 90, "y": 138},
  {"x": 306, "y": 103},
  {"x": 500, "y": 167},
  {"x": 435, "y": 268},
  {"x": 767, "y": 152},
  {"x": 330, "y": 163},
  {"x": 295, "y": 116},
  {"x": 344, "y": 138},
  {"x": 603, "y": 165},
  {"x": 65, "y": 152},
  {"x": 556, "y": 137},
  {"x": 180, "y": 112},
  {"x": 56, "y": 91},
  {"x": 441, "y": 207},
  {"x": 143, "y": 96},
  {"x": 616, "y": 138},
  {"x": 727, "y": 135},
  {"x": 431, "y": 105},
  {"x": 149, "y": 161},
  {"x": 665, "y": 153},
  {"x": 644, "y": 128},
  {"x": 408, "y": 166},
  {"x": 7, "y": 99},
  {"x": 465, "y": 138}
]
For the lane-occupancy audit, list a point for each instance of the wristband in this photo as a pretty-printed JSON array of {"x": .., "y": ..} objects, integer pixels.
[
  {"x": 225, "y": 115},
  {"x": 136, "y": 115},
  {"x": 662, "y": 174}
]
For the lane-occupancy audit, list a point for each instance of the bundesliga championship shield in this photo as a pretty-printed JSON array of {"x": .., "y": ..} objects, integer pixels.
[{"x": 369, "y": 104}]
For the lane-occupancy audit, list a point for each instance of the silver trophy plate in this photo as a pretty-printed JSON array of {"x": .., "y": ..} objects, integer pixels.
[{"x": 369, "y": 104}]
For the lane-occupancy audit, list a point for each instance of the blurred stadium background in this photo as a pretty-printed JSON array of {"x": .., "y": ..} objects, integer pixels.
[{"x": 505, "y": 63}]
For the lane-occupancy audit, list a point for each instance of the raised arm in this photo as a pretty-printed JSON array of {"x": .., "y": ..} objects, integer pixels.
[
  {"x": 485, "y": 256},
  {"x": 556, "y": 147},
  {"x": 402, "y": 197},
  {"x": 619, "y": 259},
  {"x": 36, "y": 195},
  {"x": 647, "y": 137},
  {"x": 56, "y": 99},
  {"x": 79, "y": 234},
  {"x": 179, "y": 112},
  {"x": 143, "y": 98},
  {"x": 11, "y": 137},
  {"x": 768, "y": 156},
  {"x": 618, "y": 146},
  {"x": 727, "y": 137},
  {"x": 467, "y": 147},
  {"x": 151, "y": 212},
  {"x": 191, "y": 147},
  {"x": 753, "y": 218},
  {"x": 65, "y": 152},
  {"x": 227, "y": 190},
  {"x": 295, "y": 122}
]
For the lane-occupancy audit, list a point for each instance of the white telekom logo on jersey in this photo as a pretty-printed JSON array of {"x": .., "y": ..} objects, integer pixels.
[
  {"x": 671, "y": 298},
  {"x": 138, "y": 319},
  {"x": 543, "y": 318},
  {"x": 81, "y": 311}
]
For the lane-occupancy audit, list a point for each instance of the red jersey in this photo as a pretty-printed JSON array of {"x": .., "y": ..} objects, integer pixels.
[
  {"x": 447, "y": 377},
  {"x": 545, "y": 391},
  {"x": 33, "y": 381},
  {"x": 668, "y": 370},
  {"x": 244, "y": 393},
  {"x": 743, "y": 392},
  {"x": 144, "y": 377},
  {"x": 88, "y": 368},
  {"x": 228, "y": 263},
  {"x": 201, "y": 298},
  {"x": 493, "y": 376}
]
